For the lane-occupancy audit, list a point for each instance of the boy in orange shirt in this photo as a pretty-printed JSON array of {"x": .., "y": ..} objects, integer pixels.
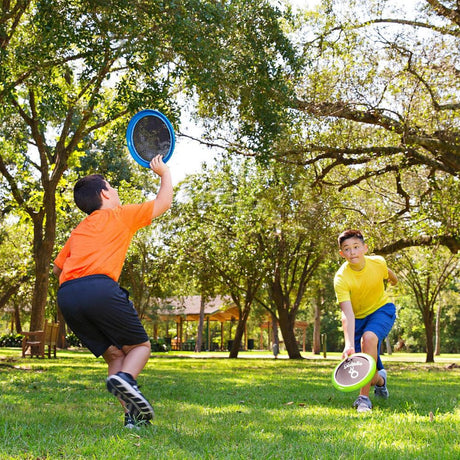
[
  {"x": 367, "y": 312},
  {"x": 93, "y": 304}
]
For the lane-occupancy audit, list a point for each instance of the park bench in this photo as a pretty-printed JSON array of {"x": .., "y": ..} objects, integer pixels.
[{"x": 37, "y": 341}]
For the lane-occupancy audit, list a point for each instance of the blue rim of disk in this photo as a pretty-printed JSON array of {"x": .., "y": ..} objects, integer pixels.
[
  {"x": 130, "y": 130},
  {"x": 361, "y": 383}
]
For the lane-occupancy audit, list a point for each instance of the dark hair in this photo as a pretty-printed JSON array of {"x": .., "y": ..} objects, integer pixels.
[
  {"x": 350, "y": 233},
  {"x": 87, "y": 192}
]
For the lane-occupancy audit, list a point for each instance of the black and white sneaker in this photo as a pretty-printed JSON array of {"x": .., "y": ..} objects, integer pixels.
[
  {"x": 137, "y": 418},
  {"x": 123, "y": 386}
]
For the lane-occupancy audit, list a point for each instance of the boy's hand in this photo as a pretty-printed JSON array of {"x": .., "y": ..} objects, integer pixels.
[
  {"x": 158, "y": 166},
  {"x": 348, "y": 351}
]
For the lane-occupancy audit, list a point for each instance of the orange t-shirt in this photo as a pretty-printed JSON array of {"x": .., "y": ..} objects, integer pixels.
[{"x": 99, "y": 243}]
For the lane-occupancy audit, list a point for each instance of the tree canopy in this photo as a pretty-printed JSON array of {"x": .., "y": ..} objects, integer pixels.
[{"x": 71, "y": 70}]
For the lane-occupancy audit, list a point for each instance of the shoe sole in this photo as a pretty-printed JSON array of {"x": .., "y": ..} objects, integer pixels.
[
  {"x": 123, "y": 390},
  {"x": 363, "y": 410},
  {"x": 136, "y": 415}
]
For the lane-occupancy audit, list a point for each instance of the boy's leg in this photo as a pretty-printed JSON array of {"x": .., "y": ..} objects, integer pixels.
[
  {"x": 130, "y": 360},
  {"x": 114, "y": 358},
  {"x": 136, "y": 357},
  {"x": 369, "y": 345},
  {"x": 124, "y": 366},
  {"x": 375, "y": 328}
]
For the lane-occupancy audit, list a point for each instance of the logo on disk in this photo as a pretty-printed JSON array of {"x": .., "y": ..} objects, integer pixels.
[{"x": 351, "y": 368}]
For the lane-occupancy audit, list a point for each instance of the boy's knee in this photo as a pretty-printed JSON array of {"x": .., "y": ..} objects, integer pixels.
[
  {"x": 112, "y": 354},
  {"x": 369, "y": 340},
  {"x": 143, "y": 345}
]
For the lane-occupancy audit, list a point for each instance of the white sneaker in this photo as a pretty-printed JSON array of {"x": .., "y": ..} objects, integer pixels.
[{"x": 363, "y": 404}]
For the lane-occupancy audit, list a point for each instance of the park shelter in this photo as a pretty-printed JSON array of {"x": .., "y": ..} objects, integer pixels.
[
  {"x": 187, "y": 309},
  {"x": 184, "y": 309}
]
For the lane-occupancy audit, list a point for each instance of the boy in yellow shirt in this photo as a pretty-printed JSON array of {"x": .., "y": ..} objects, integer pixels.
[{"x": 367, "y": 312}]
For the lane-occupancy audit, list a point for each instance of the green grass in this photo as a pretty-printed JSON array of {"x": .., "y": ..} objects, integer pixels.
[{"x": 214, "y": 408}]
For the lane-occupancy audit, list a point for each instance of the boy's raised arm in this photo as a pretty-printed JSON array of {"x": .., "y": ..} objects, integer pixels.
[{"x": 164, "y": 197}]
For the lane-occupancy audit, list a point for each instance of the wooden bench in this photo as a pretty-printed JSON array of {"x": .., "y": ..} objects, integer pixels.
[{"x": 37, "y": 341}]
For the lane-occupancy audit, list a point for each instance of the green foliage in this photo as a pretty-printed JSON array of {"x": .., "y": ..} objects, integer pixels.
[
  {"x": 409, "y": 326},
  {"x": 74, "y": 72},
  {"x": 159, "y": 345},
  {"x": 72, "y": 340},
  {"x": 347, "y": 98},
  {"x": 11, "y": 340}
]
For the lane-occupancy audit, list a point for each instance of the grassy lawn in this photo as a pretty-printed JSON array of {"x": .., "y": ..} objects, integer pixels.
[{"x": 213, "y": 408}]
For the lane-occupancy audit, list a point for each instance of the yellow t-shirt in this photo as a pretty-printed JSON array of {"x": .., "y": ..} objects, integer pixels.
[
  {"x": 99, "y": 243},
  {"x": 365, "y": 288}
]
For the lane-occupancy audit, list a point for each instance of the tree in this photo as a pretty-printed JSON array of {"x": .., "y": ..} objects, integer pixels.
[
  {"x": 296, "y": 238},
  {"x": 215, "y": 230},
  {"x": 321, "y": 291},
  {"x": 426, "y": 272},
  {"x": 383, "y": 82},
  {"x": 377, "y": 99},
  {"x": 74, "y": 69},
  {"x": 16, "y": 270},
  {"x": 389, "y": 72},
  {"x": 145, "y": 273}
]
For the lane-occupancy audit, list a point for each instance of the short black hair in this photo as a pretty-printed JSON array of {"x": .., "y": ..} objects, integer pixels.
[
  {"x": 350, "y": 233},
  {"x": 87, "y": 192}
]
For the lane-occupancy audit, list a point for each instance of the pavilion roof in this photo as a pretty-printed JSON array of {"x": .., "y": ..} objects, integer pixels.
[{"x": 188, "y": 308}]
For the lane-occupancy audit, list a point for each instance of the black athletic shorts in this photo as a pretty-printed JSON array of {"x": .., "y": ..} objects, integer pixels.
[{"x": 100, "y": 313}]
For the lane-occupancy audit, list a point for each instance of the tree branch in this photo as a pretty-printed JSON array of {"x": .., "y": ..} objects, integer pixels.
[{"x": 452, "y": 242}]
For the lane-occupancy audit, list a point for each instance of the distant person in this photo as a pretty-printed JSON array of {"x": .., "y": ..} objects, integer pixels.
[
  {"x": 367, "y": 312},
  {"x": 93, "y": 304}
]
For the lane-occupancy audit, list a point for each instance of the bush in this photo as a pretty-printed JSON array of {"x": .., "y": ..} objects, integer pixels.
[
  {"x": 73, "y": 341},
  {"x": 11, "y": 340},
  {"x": 158, "y": 345}
]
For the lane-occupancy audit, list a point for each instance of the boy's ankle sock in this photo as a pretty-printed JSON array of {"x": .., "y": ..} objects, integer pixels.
[{"x": 128, "y": 377}]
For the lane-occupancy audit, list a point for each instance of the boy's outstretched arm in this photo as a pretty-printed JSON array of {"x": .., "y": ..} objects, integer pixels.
[
  {"x": 164, "y": 197},
  {"x": 348, "y": 324},
  {"x": 392, "y": 277}
]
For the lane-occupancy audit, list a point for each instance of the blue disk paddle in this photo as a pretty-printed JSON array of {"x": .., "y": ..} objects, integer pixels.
[{"x": 149, "y": 134}]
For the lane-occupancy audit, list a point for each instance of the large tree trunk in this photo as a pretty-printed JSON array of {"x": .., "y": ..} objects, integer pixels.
[
  {"x": 428, "y": 320},
  {"x": 17, "y": 319},
  {"x": 237, "y": 339},
  {"x": 437, "y": 348},
  {"x": 240, "y": 328},
  {"x": 44, "y": 235},
  {"x": 276, "y": 340},
  {"x": 286, "y": 323},
  {"x": 61, "y": 342}
]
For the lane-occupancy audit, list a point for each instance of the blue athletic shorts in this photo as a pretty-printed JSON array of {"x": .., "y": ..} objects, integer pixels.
[
  {"x": 100, "y": 313},
  {"x": 380, "y": 323}
]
